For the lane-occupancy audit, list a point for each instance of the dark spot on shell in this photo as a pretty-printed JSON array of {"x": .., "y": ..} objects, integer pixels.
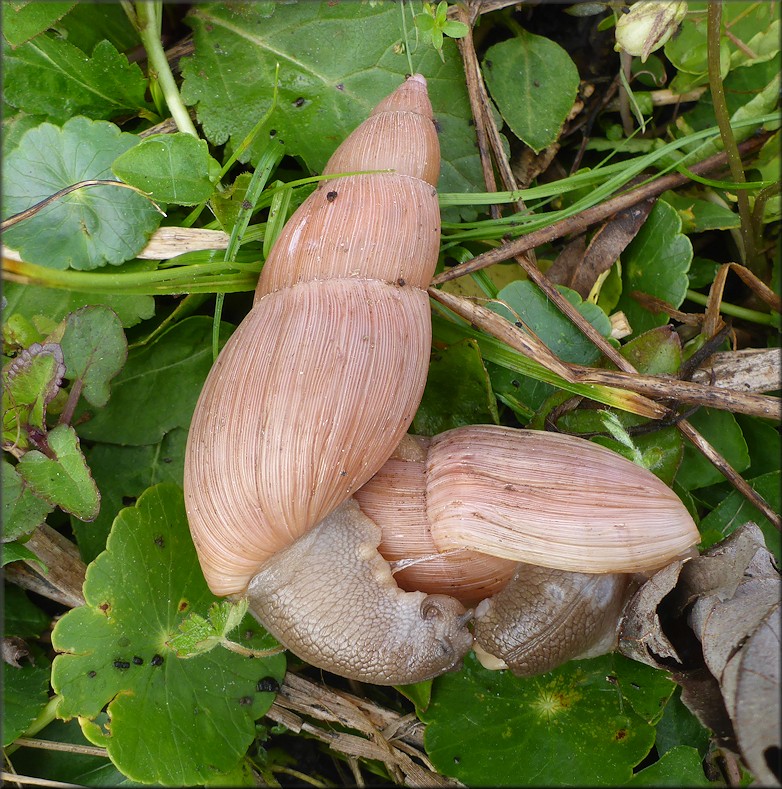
[
  {"x": 157, "y": 661},
  {"x": 246, "y": 701},
  {"x": 267, "y": 685},
  {"x": 343, "y": 473},
  {"x": 159, "y": 541},
  {"x": 128, "y": 501},
  {"x": 122, "y": 664},
  {"x": 437, "y": 126},
  {"x": 511, "y": 488},
  {"x": 91, "y": 674},
  {"x": 519, "y": 325},
  {"x": 299, "y": 102},
  {"x": 331, "y": 196},
  {"x": 138, "y": 661},
  {"x": 401, "y": 282}
]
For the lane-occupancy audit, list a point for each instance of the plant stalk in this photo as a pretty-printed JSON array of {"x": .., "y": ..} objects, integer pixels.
[
  {"x": 149, "y": 16},
  {"x": 714, "y": 27}
]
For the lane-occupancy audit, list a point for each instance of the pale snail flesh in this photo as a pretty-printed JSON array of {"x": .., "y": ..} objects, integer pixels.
[{"x": 309, "y": 399}]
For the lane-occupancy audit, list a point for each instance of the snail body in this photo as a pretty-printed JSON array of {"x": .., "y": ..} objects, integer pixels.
[{"x": 304, "y": 493}]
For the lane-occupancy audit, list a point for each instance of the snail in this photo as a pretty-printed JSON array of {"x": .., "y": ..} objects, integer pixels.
[{"x": 311, "y": 399}]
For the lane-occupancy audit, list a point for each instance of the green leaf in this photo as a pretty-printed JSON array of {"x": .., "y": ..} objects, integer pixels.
[
  {"x": 30, "y": 383},
  {"x": 700, "y": 215},
  {"x": 21, "y": 617},
  {"x": 325, "y": 89},
  {"x": 54, "y": 304},
  {"x": 173, "y": 721},
  {"x": 534, "y": 84},
  {"x": 655, "y": 352},
  {"x": 457, "y": 391},
  {"x": 493, "y": 729},
  {"x": 722, "y": 431},
  {"x": 763, "y": 442},
  {"x": 87, "y": 228},
  {"x": 26, "y": 19},
  {"x": 90, "y": 23},
  {"x": 678, "y": 726},
  {"x": 655, "y": 263},
  {"x": 173, "y": 168},
  {"x": 94, "y": 349},
  {"x": 74, "y": 767},
  {"x": 17, "y": 552},
  {"x": 734, "y": 510},
  {"x": 526, "y": 303},
  {"x": 25, "y": 694},
  {"x": 158, "y": 387},
  {"x": 23, "y": 511},
  {"x": 122, "y": 474},
  {"x": 50, "y": 76},
  {"x": 680, "y": 766},
  {"x": 62, "y": 476}
]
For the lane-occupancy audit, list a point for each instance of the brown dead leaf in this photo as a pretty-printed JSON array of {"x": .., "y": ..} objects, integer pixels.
[
  {"x": 713, "y": 622},
  {"x": 603, "y": 251}
]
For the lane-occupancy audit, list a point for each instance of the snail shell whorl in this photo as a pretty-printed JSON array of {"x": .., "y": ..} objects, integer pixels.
[
  {"x": 319, "y": 383},
  {"x": 552, "y": 500},
  {"x": 395, "y": 499}
]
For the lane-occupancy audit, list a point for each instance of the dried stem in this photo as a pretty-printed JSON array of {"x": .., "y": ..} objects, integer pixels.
[{"x": 580, "y": 222}]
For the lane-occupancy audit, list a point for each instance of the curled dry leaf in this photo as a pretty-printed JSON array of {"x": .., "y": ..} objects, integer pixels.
[{"x": 714, "y": 623}]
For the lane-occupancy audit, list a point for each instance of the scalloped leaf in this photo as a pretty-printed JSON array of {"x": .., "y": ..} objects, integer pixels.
[
  {"x": 655, "y": 263},
  {"x": 30, "y": 383},
  {"x": 23, "y": 511},
  {"x": 94, "y": 348},
  {"x": 85, "y": 229},
  {"x": 172, "y": 721},
  {"x": 50, "y": 76},
  {"x": 62, "y": 476},
  {"x": 337, "y": 61}
]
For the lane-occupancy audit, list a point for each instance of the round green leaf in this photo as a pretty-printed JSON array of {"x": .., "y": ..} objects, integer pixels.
[
  {"x": 571, "y": 726},
  {"x": 655, "y": 263},
  {"x": 87, "y": 228},
  {"x": 534, "y": 83},
  {"x": 172, "y": 721},
  {"x": 173, "y": 168}
]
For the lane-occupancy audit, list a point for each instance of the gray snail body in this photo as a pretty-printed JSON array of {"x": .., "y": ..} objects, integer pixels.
[{"x": 308, "y": 405}]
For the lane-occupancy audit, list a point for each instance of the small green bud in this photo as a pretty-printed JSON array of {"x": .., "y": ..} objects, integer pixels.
[{"x": 648, "y": 25}]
